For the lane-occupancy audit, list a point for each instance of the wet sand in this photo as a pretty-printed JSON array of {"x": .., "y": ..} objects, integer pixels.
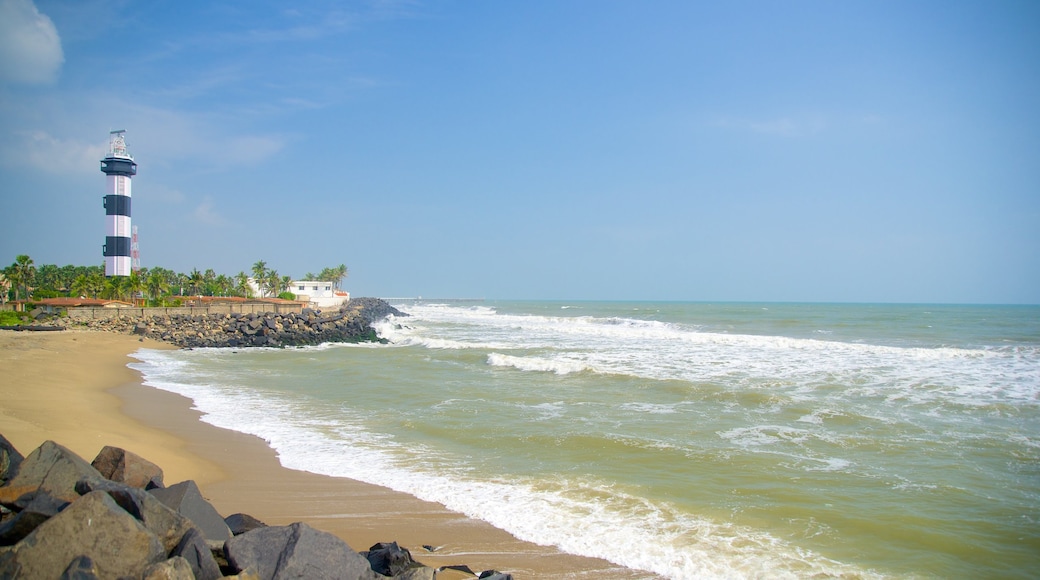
[{"x": 75, "y": 388}]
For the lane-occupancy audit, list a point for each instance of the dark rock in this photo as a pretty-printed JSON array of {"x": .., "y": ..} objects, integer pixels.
[
  {"x": 122, "y": 466},
  {"x": 34, "y": 509},
  {"x": 297, "y": 551},
  {"x": 242, "y": 523},
  {"x": 494, "y": 575},
  {"x": 54, "y": 469},
  {"x": 10, "y": 459},
  {"x": 389, "y": 559},
  {"x": 193, "y": 548},
  {"x": 186, "y": 499},
  {"x": 81, "y": 568},
  {"x": 459, "y": 567},
  {"x": 93, "y": 526},
  {"x": 168, "y": 525}
]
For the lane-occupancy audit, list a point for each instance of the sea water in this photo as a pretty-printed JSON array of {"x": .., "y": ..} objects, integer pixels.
[{"x": 689, "y": 440}]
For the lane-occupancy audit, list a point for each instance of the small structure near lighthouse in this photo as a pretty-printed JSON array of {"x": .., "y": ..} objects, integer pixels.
[{"x": 119, "y": 166}]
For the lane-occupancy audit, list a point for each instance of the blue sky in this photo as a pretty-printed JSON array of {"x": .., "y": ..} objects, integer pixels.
[{"x": 748, "y": 150}]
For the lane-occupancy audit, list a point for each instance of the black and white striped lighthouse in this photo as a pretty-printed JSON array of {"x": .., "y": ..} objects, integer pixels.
[{"x": 119, "y": 166}]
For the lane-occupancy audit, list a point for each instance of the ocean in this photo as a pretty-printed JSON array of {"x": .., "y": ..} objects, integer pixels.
[{"x": 689, "y": 440}]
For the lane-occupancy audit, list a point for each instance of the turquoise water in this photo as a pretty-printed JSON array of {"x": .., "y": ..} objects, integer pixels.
[{"x": 689, "y": 440}]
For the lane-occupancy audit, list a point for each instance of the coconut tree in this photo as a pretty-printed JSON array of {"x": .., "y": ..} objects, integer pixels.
[
  {"x": 273, "y": 282},
  {"x": 134, "y": 286},
  {"x": 21, "y": 274},
  {"x": 195, "y": 282},
  {"x": 157, "y": 284},
  {"x": 223, "y": 285},
  {"x": 260, "y": 275},
  {"x": 242, "y": 287},
  {"x": 95, "y": 284}
]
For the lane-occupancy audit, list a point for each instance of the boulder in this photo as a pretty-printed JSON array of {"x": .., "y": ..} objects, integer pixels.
[
  {"x": 81, "y": 568},
  {"x": 176, "y": 568},
  {"x": 297, "y": 551},
  {"x": 167, "y": 525},
  {"x": 494, "y": 575},
  {"x": 196, "y": 553},
  {"x": 119, "y": 465},
  {"x": 186, "y": 499},
  {"x": 420, "y": 573},
  {"x": 242, "y": 523},
  {"x": 460, "y": 572},
  {"x": 34, "y": 508},
  {"x": 93, "y": 526},
  {"x": 54, "y": 469},
  {"x": 10, "y": 459},
  {"x": 389, "y": 559}
]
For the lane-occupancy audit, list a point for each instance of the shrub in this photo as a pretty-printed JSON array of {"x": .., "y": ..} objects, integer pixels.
[{"x": 9, "y": 318}]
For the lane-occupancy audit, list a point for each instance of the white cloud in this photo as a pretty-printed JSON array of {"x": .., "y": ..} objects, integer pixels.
[
  {"x": 54, "y": 155},
  {"x": 205, "y": 214},
  {"x": 30, "y": 48}
]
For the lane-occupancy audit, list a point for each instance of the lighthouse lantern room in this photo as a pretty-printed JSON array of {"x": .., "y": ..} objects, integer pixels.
[{"x": 119, "y": 167}]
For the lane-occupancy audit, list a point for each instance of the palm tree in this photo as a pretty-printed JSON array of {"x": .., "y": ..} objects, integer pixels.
[
  {"x": 21, "y": 274},
  {"x": 95, "y": 284},
  {"x": 273, "y": 282},
  {"x": 340, "y": 272},
  {"x": 157, "y": 284},
  {"x": 260, "y": 275},
  {"x": 115, "y": 287},
  {"x": 134, "y": 286},
  {"x": 242, "y": 285},
  {"x": 223, "y": 285},
  {"x": 287, "y": 283},
  {"x": 195, "y": 282}
]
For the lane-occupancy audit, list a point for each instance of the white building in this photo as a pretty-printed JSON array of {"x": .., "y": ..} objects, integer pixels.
[{"x": 317, "y": 293}]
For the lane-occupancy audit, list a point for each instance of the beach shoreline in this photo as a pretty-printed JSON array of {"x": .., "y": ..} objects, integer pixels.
[{"x": 75, "y": 388}]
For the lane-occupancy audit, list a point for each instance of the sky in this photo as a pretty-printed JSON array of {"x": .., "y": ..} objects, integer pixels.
[{"x": 837, "y": 151}]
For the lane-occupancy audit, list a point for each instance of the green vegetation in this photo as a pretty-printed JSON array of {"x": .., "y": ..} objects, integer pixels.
[
  {"x": 24, "y": 280},
  {"x": 8, "y": 318}
]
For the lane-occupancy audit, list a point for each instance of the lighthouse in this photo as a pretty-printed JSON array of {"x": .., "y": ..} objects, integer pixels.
[{"x": 119, "y": 167}]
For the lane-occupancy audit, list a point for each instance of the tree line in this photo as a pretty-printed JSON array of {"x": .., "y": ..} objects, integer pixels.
[{"x": 24, "y": 280}]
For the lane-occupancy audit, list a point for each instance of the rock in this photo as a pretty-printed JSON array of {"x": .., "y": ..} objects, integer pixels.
[
  {"x": 34, "y": 509},
  {"x": 420, "y": 573},
  {"x": 389, "y": 559},
  {"x": 196, "y": 553},
  {"x": 10, "y": 459},
  {"x": 461, "y": 572},
  {"x": 122, "y": 466},
  {"x": 81, "y": 568},
  {"x": 494, "y": 575},
  {"x": 242, "y": 523},
  {"x": 352, "y": 323},
  {"x": 250, "y": 574},
  {"x": 93, "y": 526},
  {"x": 176, "y": 568},
  {"x": 297, "y": 551},
  {"x": 54, "y": 469},
  {"x": 167, "y": 525},
  {"x": 186, "y": 499}
]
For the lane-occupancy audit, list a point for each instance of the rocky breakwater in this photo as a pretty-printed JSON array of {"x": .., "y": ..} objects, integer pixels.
[
  {"x": 64, "y": 518},
  {"x": 352, "y": 323}
]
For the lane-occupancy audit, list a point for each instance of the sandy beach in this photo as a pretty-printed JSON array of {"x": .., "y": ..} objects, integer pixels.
[{"x": 74, "y": 388}]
